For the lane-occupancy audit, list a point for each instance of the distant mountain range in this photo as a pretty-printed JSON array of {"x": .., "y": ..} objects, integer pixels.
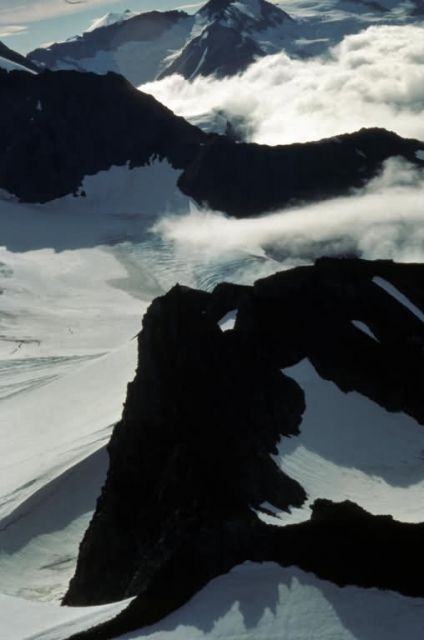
[{"x": 221, "y": 39}]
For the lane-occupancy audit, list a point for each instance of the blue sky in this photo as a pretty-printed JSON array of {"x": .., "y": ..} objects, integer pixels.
[{"x": 26, "y": 24}]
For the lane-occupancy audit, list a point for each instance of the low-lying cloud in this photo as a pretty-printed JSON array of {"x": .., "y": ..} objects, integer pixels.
[
  {"x": 374, "y": 78},
  {"x": 385, "y": 220}
]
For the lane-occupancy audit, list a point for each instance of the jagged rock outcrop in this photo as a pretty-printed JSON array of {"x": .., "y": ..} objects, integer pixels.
[
  {"x": 341, "y": 542},
  {"x": 201, "y": 419},
  {"x": 345, "y": 544},
  {"x": 308, "y": 313},
  {"x": 57, "y": 127},
  {"x": 190, "y": 459}
]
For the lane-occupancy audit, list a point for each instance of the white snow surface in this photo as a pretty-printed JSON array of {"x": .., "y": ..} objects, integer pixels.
[
  {"x": 251, "y": 8},
  {"x": 268, "y": 602},
  {"x": 251, "y": 602},
  {"x": 119, "y": 204},
  {"x": 399, "y": 296},
  {"x": 72, "y": 302},
  {"x": 13, "y": 66},
  {"x": 228, "y": 321},
  {"x": 66, "y": 356},
  {"x": 24, "y": 620},
  {"x": 113, "y": 17},
  {"x": 76, "y": 276},
  {"x": 139, "y": 61},
  {"x": 362, "y": 326},
  {"x": 350, "y": 448}
]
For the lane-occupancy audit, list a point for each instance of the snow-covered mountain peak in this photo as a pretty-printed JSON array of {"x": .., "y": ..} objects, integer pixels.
[
  {"x": 250, "y": 14},
  {"x": 111, "y": 18},
  {"x": 228, "y": 35}
]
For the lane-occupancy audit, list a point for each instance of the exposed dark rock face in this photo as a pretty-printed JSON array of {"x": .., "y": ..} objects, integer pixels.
[
  {"x": 248, "y": 179},
  {"x": 57, "y": 127},
  {"x": 208, "y": 54},
  {"x": 345, "y": 544},
  {"x": 182, "y": 436},
  {"x": 342, "y": 543},
  {"x": 308, "y": 313},
  {"x": 191, "y": 455}
]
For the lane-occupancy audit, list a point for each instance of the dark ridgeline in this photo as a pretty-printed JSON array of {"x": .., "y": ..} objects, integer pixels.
[
  {"x": 57, "y": 127},
  {"x": 190, "y": 459},
  {"x": 248, "y": 179}
]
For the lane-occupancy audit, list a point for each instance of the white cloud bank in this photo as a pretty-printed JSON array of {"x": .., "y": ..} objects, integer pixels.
[
  {"x": 385, "y": 220},
  {"x": 375, "y": 78}
]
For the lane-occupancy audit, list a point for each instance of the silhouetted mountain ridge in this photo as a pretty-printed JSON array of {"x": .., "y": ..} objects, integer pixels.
[
  {"x": 190, "y": 461},
  {"x": 58, "y": 127}
]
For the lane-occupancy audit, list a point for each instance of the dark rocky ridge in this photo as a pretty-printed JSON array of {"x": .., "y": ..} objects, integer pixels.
[
  {"x": 248, "y": 179},
  {"x": 176, "y": 425},
  {"x": 190, "y": 457},
  {"x": 342, "y": 543},
  {"x": 57, "y": 127}
]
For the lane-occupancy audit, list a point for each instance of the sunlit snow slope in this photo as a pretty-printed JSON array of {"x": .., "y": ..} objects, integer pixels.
[
  {"x": 71, "y": 305},
  {"x": 350, "y": 448},
  {"x": 252, "y": 602},
  {"x": 76, "y": 276}
]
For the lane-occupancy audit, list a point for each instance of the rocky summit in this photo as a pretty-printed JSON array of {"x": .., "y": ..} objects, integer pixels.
[{"x": 191, "y": 460}]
